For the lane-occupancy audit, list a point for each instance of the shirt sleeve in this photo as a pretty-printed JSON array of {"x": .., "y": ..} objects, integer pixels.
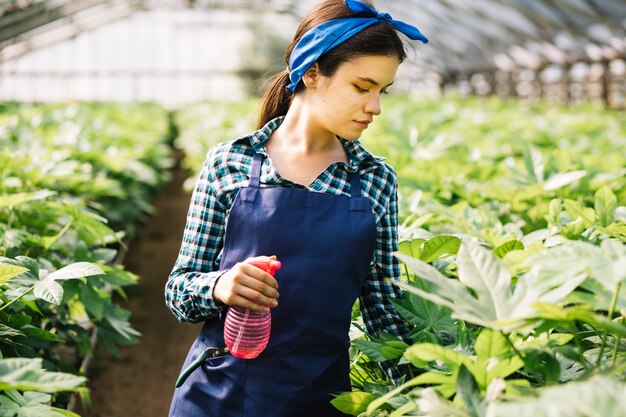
[
  {"x": 189, "y": 288},
  {"x": 377, "y": 311}
]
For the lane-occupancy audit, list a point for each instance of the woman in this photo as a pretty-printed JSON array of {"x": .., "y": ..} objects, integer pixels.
[{"x": 304, "y": 190}]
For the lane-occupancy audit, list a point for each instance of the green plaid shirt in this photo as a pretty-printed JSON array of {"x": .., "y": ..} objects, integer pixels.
[{"x": 189, "y": 289}]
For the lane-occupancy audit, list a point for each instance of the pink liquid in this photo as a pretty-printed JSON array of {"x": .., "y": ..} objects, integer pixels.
[{"x": 246, "y": 332}]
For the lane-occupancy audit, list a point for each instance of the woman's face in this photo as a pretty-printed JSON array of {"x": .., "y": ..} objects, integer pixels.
[{"x": 346, "y": 102}]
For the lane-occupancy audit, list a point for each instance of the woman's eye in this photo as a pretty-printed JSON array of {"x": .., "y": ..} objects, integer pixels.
[{"x": 361, "y": 90}]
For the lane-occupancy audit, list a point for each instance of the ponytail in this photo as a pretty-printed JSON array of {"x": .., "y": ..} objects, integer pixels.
[{"x": 276, "y": 100}]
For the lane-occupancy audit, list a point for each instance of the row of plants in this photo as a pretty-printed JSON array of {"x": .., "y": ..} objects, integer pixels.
[
  {"x": 513, "y": 248},
  {"x": 74, "y": 181},
  {"x": 512, "y": 243}
]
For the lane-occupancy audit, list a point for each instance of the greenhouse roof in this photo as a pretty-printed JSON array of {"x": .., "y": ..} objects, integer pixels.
[{"x": 465, "y": 36}]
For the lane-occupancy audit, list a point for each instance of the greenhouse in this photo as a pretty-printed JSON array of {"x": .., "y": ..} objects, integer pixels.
[{"x": 448, "y": 227}]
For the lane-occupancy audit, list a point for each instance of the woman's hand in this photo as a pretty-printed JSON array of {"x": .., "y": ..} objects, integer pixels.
[{"x": 247, "y": 286}]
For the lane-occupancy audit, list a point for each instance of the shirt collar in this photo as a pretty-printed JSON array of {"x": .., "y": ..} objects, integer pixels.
[{"x": 357, "y": 155}]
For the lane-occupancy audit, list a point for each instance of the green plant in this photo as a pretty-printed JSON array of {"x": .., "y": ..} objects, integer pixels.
[
  {"x": 533, "y": 296},
  {"x": 74, "y": 179}
]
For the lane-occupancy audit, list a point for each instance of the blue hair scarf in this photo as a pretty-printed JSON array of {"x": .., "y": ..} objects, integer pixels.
[{"x": 326, "y": 36}]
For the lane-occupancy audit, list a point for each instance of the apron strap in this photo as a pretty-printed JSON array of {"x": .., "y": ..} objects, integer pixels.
[
  {"x": 355, "y": 185},
  {"x": 255, "y": 170}
]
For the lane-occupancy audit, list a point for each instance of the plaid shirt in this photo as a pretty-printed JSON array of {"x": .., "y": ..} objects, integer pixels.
[{"x": 189, "y": 290}]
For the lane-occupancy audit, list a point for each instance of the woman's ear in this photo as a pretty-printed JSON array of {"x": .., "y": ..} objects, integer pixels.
[{"x": 311, "y": 76}]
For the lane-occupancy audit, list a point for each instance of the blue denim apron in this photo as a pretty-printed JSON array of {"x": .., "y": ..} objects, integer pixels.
[{"x": 325, "y": 243}]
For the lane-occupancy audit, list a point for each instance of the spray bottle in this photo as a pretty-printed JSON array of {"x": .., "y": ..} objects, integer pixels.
[{"x": 246, "y": 332}]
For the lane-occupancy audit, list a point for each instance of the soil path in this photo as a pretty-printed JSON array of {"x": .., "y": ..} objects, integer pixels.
[{"x": 141, "y": 382}]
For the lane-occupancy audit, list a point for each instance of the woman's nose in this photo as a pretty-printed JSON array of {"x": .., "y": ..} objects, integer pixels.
[{"x": 373, "y": 105}]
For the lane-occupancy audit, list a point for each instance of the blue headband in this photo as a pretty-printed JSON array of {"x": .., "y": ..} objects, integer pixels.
[{"x": 325, "y": 36}]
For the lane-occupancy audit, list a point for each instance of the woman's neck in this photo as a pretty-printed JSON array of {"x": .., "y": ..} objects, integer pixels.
[{"x": 303, "y": 133}]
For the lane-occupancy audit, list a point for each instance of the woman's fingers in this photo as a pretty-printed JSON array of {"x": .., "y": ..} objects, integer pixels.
[
  {"x": 259, "y": 274},
  {"x": 247, "y": 286},
  {"x": 256, "y": 297},
  {"x": 243, "y": 302}
]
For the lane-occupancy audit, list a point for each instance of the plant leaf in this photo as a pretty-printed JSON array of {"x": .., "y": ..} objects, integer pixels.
[
  {"x": 580, "y": 313},
  {"x": 428, "y": 352},
  {"x": 599, "y": 396},
  {"x": 491, "y": 343},
  {"x": 504, "y": 368},
  {"x": 533, "y": 159},
  {"x": 31, "y": 404},
  {"x": 6, "y": 331},
  {"x": 9, "y": 271},
  {"x": 563, "y": 178},
  {"x": 13, "y": 200},
  {"x": 480, "y": 271},
  {"x": 605, "y": 205},
  {"x": 371, "y": 348},
  {"x": 507, "y": 247},
  {"x": 606, "y": 263},
  {"x": 353, "y": 403},
  {"x": 483, "y": 294},
  {"x": 75, "y": 270},
  {"x": 425, "y": 315},
  {"x": 393, "y": 349},
  {"x": 411, "y": 247},
  {"x": 26, "y": 374},
  {"x": 467, "y": 389},
  {"x": 577, "y": 210},
  {"x": 439, "y": 246},
  {"x": 50, "y": 291}
]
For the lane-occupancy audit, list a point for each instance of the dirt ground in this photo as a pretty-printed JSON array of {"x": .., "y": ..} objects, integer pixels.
[{"x": 141, "y": 382}]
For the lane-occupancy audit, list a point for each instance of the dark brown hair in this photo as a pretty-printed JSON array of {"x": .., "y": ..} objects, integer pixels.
[{"x": 378, "y": 39}]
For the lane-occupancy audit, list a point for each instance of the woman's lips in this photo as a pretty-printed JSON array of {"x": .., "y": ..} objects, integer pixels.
[{"x": 363, "y": 123}]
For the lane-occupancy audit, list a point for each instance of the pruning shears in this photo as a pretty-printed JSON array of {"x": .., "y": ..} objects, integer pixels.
[{"x": 208, "y": 353}]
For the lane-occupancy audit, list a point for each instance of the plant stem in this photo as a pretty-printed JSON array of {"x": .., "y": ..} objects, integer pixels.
[
  {"x": 17, "y": 298},
  {"x": 610, "y": 314},
  {"x": 517, "y": 352},
  {"x": 616, "y": 349},
  {"x": 406, "y": 271},
  {"x": 584, "y": 361}
]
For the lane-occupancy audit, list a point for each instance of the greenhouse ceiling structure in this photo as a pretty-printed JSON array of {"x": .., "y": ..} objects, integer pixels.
[{"x": 466, "y": 37}]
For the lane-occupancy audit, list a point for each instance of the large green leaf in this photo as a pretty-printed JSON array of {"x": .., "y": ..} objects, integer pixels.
[
  {"x": 562, "y": 179},
  {"x": 438, "y": 247},
  {"x": 30, "y": 264},
  {"x": 9, "y": 271},
  {"x": 7, "y": 331},
  {"x": 607, "y": 263},
  {"x": 425, "y": 315},
  {"x": 371, "y": 348},
  {"x": 427, "y": 352},
  {"x": 50, "y": 291},
  {"x": 30, "y": 404},
  {"x": 352, "y": 403},
  {"x": 582, "y": 313},
  {"x": 411, "y": 247},
  {"x": 484, "y": 294},
  {"x": 75, "y": 270},
  {"x": 13, "y": 200},
  {"x": 507, "y": 247},
  {"x": 533, "y": 159},
  {"x": 26, "y": 374},
  {"x": 491, "y": 343},
  {"x": 468, "y": 391},
  {"x": 577, "y": 211},
  {"x": 597, "y": 397},
  {"x": 605, "y": 205}
]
